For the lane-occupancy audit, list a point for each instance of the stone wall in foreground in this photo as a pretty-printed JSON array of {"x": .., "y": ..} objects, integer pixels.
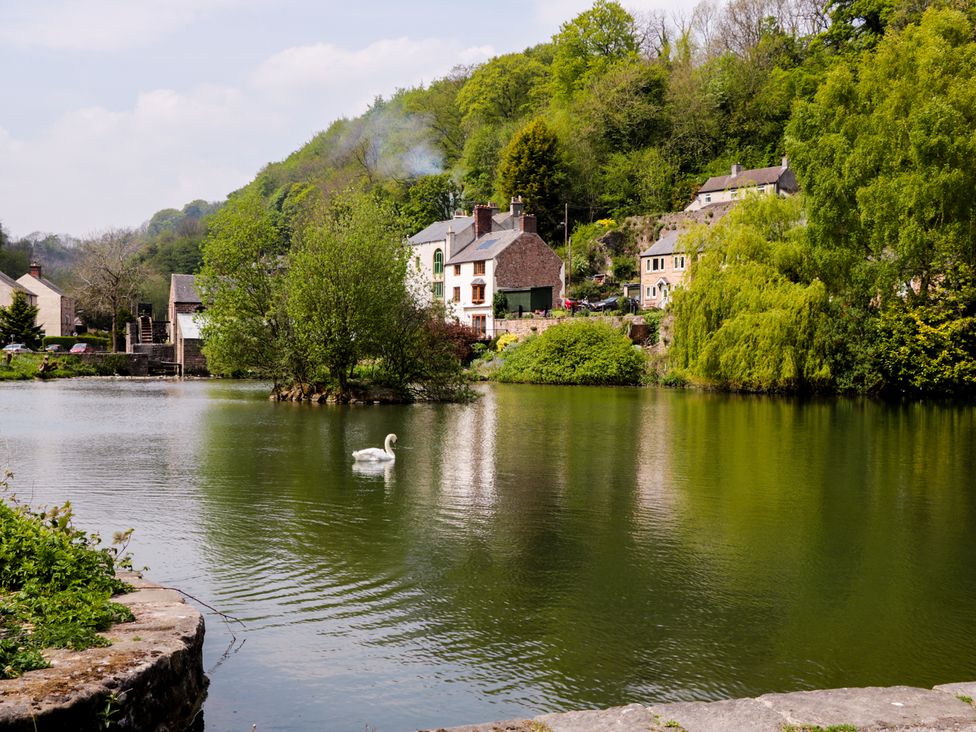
[
  {"x": 150, "y": 678},
  {"x": 895, "y": 708}
]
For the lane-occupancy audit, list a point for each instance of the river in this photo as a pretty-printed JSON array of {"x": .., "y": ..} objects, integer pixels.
[{"x": 542, "y": 549}]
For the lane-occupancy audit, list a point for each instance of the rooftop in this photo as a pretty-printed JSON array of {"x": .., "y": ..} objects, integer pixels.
[
  {"x": 486, "y": 247},
  {"x": 744, "y": 179},
  {"x": 437, "y": 231},
  {"x": 183, "y": 288}
]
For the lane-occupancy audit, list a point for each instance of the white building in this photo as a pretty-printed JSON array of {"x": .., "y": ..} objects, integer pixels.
[
  {"x": 778, "y": 180},
  {"x": 466, "y": 260},
  {"x": 8, "y": 286},
  {"x": 56, "y": 311}
]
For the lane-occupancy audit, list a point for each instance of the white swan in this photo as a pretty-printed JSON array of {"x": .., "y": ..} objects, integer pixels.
[{"x": 374, "y": 454}]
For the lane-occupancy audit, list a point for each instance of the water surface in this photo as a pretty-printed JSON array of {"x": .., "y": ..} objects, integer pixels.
[{"x": 542, "y": 549}]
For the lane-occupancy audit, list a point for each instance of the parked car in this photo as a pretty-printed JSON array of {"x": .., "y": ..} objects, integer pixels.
[
  {"x": 16, "y": 348},
  {"x": 625, "y": 304},
  {"x": 54, "y": 348},
  {"x": 82, "y": 348},
  {"x": 570, "y": 303}
]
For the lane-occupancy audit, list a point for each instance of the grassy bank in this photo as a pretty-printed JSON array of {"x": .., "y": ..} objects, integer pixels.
[
  {"x": 56, "y": 585},
  {"x": 25, "y": 366}
]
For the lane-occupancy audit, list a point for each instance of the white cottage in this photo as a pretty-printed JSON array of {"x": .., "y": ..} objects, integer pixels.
[
  {"x": 56, "y": 311},
  {"x": 777, "y": 180}
]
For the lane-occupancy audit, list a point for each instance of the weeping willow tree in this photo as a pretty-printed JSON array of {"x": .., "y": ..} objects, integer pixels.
[{"x": 754, "y": 316}]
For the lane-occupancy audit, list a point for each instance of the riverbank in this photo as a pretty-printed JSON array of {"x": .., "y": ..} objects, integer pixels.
[
  {"x": 946, "y": 707},
  {"x": 150, "y": 677}
]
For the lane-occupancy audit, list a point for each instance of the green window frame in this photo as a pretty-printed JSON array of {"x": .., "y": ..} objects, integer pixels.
[{"x": 438, "y": 261}]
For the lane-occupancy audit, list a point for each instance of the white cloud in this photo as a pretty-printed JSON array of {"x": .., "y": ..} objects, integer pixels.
[
  {"x": 96, "y": 167},
  {"x": 98, "y": 25}
]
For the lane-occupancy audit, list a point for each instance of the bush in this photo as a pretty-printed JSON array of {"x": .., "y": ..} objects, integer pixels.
[
  {"x": 577, "y": 352},
  {"x": 653, "y": 319},
  {"x": 56, "y": 584},
  {"x": 504, "y": 341}
]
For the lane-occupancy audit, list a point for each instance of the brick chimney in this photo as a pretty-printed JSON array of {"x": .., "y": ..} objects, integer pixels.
[
  {"x": 482, "y": 220},
  {"x": 736, "y": 169},
  {"x": 527, "y": 224},
  {"x": 35, "y": 270},
  {"x": 517, "y": 207}
]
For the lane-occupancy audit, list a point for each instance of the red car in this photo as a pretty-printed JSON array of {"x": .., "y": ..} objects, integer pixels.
[{"x": 82, "y": 348}]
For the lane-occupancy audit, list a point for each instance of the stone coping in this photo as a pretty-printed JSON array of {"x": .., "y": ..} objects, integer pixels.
[
  {"x": 150, "y": 678},
  {"x": 948, "y": 707}
]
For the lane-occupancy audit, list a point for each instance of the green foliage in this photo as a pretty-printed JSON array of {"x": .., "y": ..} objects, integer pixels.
[
  {"x": 499, "y": 304},
  {"x": 590, "y": 43},
  {"x": 532, "y": 167},
  {"x": 17, "y": 322},
  {"x": 637, "y": 183},
  {"x": 505, "y": 340},
  {"x": 429, "y": 199},
  {"x": 504, "y": 89},
  {"x": 574, "y": 352},
  {"x": 753, "y": 316},
  {"x": 56, "y": 585}
]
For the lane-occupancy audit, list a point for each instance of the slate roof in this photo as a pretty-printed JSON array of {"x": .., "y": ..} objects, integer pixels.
[
  {"x": 188, "y": 325},
  {"x": 437, "y": 231},
  {"x": 13, "y": 284},
  {"x": 183, "y": 288},
  {"x": 667, "y": 244},
  {"x": 755, "y": 177},
  {"x": 488, "y": 246},
  {"x": 44, "y": 281}
]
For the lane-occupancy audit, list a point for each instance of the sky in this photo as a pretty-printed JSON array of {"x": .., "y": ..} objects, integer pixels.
[{"x": 111, "y": 110}]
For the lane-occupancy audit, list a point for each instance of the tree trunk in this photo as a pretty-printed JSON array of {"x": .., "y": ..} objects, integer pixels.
[{"x": 115, "y": 317}]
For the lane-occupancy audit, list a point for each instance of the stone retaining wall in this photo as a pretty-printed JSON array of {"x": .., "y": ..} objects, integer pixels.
[
  {"x": 895, "y": 708},
  {"x": 150, "y": 678},
  {"x": 528, "y": 326}
]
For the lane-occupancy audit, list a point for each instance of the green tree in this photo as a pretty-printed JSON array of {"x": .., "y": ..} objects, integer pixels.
[
  {"x": 502, "y": 90},
  {"x": 753, "y": 316},
  {"x": 110, "y": 276},
  {"x": 429, "y": 199},
  {"x": 532, "y": 167},
  {"x": 246, "y": 328},
  {"x": 884, "y": 153},
  {"x": 591, "y": 42},
  {"x": 347, "y": 284},
  {"x": 18, "y": 322}
]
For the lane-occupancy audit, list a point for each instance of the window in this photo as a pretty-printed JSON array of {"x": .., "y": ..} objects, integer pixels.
[
  {"x": 679, "y": 262},
  {"x": 761, "y": 189},
  {"x": 654, "y": 292},
  {"x": 477, "y": 294},
  {"x": 658, "y": 264},
  {"x": 648, "y": 291},
  {"x": 438, "y": 290},
  {"x": 735, "y": 194},
  {"x": 708, "y": 198},
  {"x": 479, "y": 323},
  {"x": 479, "y": 268},
  {"x": 457, "y": 270},
  {"x": 439, "y": 262},
  {"x": 457, "y": 294},
  {"x": 647, "y": 266}
]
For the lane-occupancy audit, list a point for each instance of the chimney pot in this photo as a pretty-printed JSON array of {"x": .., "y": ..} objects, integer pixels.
[
  {"x": 35, "y": 269},
  {"x": 517, "y": 207}
]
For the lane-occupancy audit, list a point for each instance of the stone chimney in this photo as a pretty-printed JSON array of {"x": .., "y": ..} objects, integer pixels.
[
  {"x": 449, "y": 242},
  {"x": 482, "y": 220},
  {"x": 527, "y": 224},
  {"x": 35, "y": 270},
  {"x": 786, "y": 163},
  {"x": 736, "y": 169},
  {"x": 494, "y": 207},
  {"x": 517, "y": 207}
]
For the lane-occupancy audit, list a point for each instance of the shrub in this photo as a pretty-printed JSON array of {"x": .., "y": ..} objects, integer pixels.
[
  {"x": 577, "y": 352},
  {"x": 504, "y": 341},
  {"x": 67, "y": 342},
  {"x": 56, "y": 585}
]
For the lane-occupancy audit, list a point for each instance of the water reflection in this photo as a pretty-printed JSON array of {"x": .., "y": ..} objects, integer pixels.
[{"x": 539, "y": 549}]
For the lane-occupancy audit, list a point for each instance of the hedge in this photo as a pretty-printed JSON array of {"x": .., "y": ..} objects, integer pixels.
[{"x": 68, "y": 341}]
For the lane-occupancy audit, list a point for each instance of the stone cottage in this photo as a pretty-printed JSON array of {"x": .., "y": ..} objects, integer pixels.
[
  {"x": 56, "y": 311},
  {"x": 777, "y": 180},
  {"x": 185, "y": 308},
  {"x": 466, "y": 260}
]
